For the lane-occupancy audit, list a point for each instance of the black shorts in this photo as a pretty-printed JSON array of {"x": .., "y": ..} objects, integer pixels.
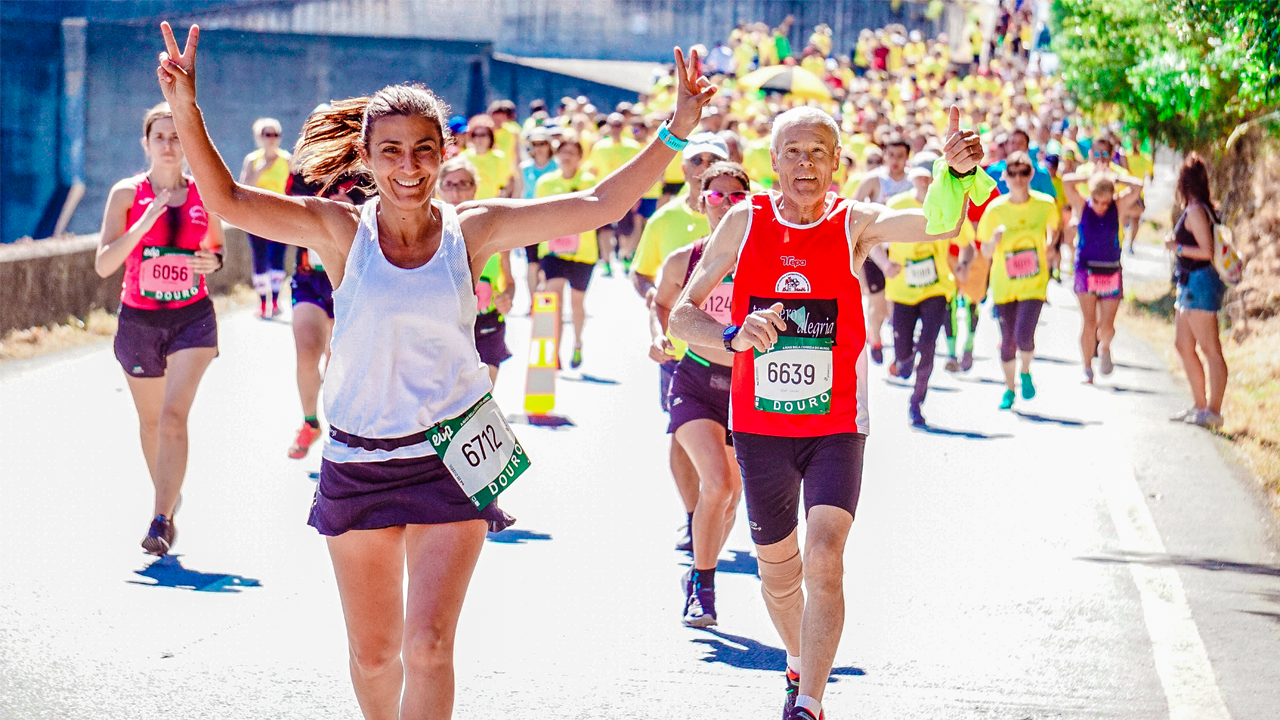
[
  {"x": 875, "y": 277},
  {"x": 491, "y": 339},
  {"x": 577, "y": 273},
  {"x": 773, "y": 469},
  {"x": 312, "y": 287},
  {"x": 672, "y": 188},
  {"x": 666, "y": 373},
  {"x": 146, "y": 338},
  {"x": 700, "y": 392},
  {"x": 531, "y": 253}
]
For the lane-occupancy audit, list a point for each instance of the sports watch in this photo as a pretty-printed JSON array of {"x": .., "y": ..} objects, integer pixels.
[{"x": 729, "y": 334}]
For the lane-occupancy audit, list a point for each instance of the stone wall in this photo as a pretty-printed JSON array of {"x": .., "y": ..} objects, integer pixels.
[{"x": 45, "y": 282}]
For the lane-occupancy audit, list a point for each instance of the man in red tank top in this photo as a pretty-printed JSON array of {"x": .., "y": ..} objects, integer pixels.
[{"x": 798, "y": 401}]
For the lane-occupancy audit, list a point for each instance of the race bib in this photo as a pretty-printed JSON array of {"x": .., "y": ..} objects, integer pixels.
[
  {"x": 484, "y": 296},
  {"x": 480, "y": 451},
  {"x": 166, "y": 274},
  {"x": 1108, "y": 284},
  {"x": 719, "y": 303},
  {"x": 567, "y": 245},
  {"x": 1022, "y": 264},
  {"x": 921, "y": 273},
  {"x": 796, "y": 375}
]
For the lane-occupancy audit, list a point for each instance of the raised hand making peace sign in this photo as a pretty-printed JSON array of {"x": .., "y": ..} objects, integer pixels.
[
  {"x": 177, "y": 70},
  {"x": 693, "y": 94}
]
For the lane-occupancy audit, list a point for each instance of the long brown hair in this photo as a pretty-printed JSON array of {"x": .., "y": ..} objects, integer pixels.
[
  {"x": 1193, "y": 182},
  {"x": 331, "y": 139},
  {"x": 159, "y": 111}
]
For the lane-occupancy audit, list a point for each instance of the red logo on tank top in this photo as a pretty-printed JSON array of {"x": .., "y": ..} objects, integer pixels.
[
  {"x": 198, "y": 215},
  {"x": 792, "y": 282},
  {"x": 792, "y": 261}
]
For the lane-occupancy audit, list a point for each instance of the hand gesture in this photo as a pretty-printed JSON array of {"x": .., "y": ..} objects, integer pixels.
[
  {"x": 892, "y": 269},
  {"x": 997, "y": 235},
  {"x": 661, "y": 350},
  {"x": 963, "y": 148},
  {"x": 177, "y": 70},
  {"x": 694, "y": 93},
  {"x": 205, "y": 262},
  {"x": 503, "y": 300},
  {"x": 760, "y": 330},
  {"x": 159, "y": 205}
]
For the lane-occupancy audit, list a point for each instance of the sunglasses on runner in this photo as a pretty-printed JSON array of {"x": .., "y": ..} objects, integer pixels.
[
  {"x": 464, "y": 185},
  {"x": 1018, "y": 173},
  {"x": 270, "y": 134},
  {"x": 714, "y": 198}
]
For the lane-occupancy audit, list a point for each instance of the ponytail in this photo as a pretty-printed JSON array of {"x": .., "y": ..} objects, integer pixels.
[
  {"x": 331, "y": 139},
  {"x": 329, "y": 145}
]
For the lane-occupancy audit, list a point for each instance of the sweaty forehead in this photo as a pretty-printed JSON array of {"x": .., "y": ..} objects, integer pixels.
[{"x": 805, "y": 132}]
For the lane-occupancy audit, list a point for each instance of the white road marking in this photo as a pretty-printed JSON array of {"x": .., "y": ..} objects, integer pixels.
[{"x": 1190, "y": 685}]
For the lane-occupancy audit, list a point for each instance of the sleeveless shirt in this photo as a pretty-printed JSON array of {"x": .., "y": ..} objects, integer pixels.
[
  {"x": 809, "y": 269},
  {"x": 1099, "y": 235},
  {"x": 403, "y": 355},
  {"x": 182, "y": 228}
]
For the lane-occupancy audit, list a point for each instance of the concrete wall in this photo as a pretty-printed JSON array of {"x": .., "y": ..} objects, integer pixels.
[
  {"x": 30, "y": 86},
  {"x": 601, "y": 29},
  {"x": 45, "y": 282},
  {"x": 244, "y": 76},
  {"x": 522, "y": 84}
]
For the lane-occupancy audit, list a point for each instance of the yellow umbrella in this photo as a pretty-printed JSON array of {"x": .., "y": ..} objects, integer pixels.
[{"x": 791, "y": 79}]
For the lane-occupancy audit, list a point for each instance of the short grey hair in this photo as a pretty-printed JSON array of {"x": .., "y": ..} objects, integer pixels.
[{"x": 796, "y": 116}]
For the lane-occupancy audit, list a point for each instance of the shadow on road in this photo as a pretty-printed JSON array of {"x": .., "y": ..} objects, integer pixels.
[
  {"x": 1127, "y": 390},
  {"x": 910, "y": 385},
  {"x": 970, "y": 434},
  {"x": 585, "y": 378},
  {"x": 1065, "y": 422},
  {"x": 974, "y": 380},
  {"x": 742, "y": 563},
  {"x": 553, "y": 422},
  {"x": 514, "y": 536},
  {"x": 747, "y": 654},
  {"x": 168, "y": 572},
  {"x": 1201, "y": 563}
]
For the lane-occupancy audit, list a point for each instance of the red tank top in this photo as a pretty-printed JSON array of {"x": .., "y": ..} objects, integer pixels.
[
  {"x": 157, "y": 274},
  {"x": 813, "y": 382}
]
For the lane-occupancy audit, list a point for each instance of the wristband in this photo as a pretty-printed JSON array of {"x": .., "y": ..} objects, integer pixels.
[
  {"x": 671, "y": 141},
  {"x": 972, "y": 170}
]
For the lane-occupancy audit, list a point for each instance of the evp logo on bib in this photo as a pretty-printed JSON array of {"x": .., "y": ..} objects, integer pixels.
[{"x": 792, "y": 282}]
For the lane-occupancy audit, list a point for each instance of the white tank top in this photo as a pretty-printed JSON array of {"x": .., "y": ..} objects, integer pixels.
[
  {"x": 403, "y": 355},
  {"x": 890, "y": 187}
]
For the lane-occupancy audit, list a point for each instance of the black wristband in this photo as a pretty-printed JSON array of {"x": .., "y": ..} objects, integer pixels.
[
  {"x": 220, "y": 263},
  {"x": 953, "y": 172}
]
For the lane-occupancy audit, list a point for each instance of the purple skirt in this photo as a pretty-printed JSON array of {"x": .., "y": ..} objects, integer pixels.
[{"x": 411, "y": 491}]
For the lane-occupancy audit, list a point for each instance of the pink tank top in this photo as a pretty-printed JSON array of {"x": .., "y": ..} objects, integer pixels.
[{"x": 157, "y": 274}]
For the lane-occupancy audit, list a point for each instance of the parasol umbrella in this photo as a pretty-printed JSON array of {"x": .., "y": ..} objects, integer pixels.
[{"x": 791, "y": 79}]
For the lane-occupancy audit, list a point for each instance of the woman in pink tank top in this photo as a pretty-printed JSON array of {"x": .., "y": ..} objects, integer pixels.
[{"x": 156, "y": 227}]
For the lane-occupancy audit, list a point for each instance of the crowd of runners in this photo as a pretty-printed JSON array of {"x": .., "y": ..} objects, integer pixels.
[{"x": 769, "y": 236}]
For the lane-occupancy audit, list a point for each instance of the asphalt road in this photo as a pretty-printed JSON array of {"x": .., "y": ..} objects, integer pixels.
[{"x": 1080, "y": 557}]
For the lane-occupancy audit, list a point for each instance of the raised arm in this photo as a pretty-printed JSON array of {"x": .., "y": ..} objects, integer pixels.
[
  {"x": 322, "y": 225},
  {"x": 1126, "y": 201},
  {"x": 491, "y": 226},
  {"x": 673, "y": 270},
  {"x": 1069, "y": 183},
  {"x": 688, "y": 320}
]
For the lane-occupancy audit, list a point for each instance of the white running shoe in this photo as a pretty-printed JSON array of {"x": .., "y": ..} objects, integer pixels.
[
  {"x": 1105, "y": 366},
  {"x": 1205, "y": 418},
  {"x": 1183, "y": 414}
]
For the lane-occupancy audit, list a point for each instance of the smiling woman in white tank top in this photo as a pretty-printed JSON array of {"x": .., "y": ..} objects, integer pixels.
[{"x": 404, "y": 379}]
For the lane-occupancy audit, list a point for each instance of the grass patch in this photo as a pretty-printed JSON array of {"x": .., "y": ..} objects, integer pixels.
[
  {"x": 98, "y": 326},
  {"x": 1251, "y": 407}
]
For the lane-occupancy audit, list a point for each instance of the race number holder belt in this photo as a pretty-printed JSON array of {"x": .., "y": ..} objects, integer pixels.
[{"x": 355, "y": 441}]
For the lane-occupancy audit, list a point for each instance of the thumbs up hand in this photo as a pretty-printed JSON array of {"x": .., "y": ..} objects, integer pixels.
[{"x": 962, "y": 148}]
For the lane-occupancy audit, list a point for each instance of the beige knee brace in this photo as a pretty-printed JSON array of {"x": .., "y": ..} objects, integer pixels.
[{"x": 780, "y": 583}]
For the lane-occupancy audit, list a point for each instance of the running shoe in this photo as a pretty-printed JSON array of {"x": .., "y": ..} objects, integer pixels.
[
  {"x": 1028, "y": 387},
  {"x": 1006, "y": 402},
  {"x": 877, "y": 354},
  {"x": 917, "y": 418},
  {"x": 302, "y": 443},
  {"x": 608, "y": 269},
  {"x": 626, "y": 266},
  {"x": 576, "y": 362},
  {"x": 700, "y": 607},
  {"x": 793, "y": 691},
  {"x": 262, "y": 310},
  {"x": 685, "y": 543},
  {"x": 275, "y": 310},
  {"x": 953, "y": 365},
  {"x": 1183, "y": 414},
  {"x": 966, "y": 361},
  {"x": 799, "y": 713},
  {"x": 1105, "y": 365},
  {"x": 160, "y": 536},
  {"x": 1205, "y": 418},
  {"x": 686, "y": 583},
  {"x": 1088, "y": 376}
]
